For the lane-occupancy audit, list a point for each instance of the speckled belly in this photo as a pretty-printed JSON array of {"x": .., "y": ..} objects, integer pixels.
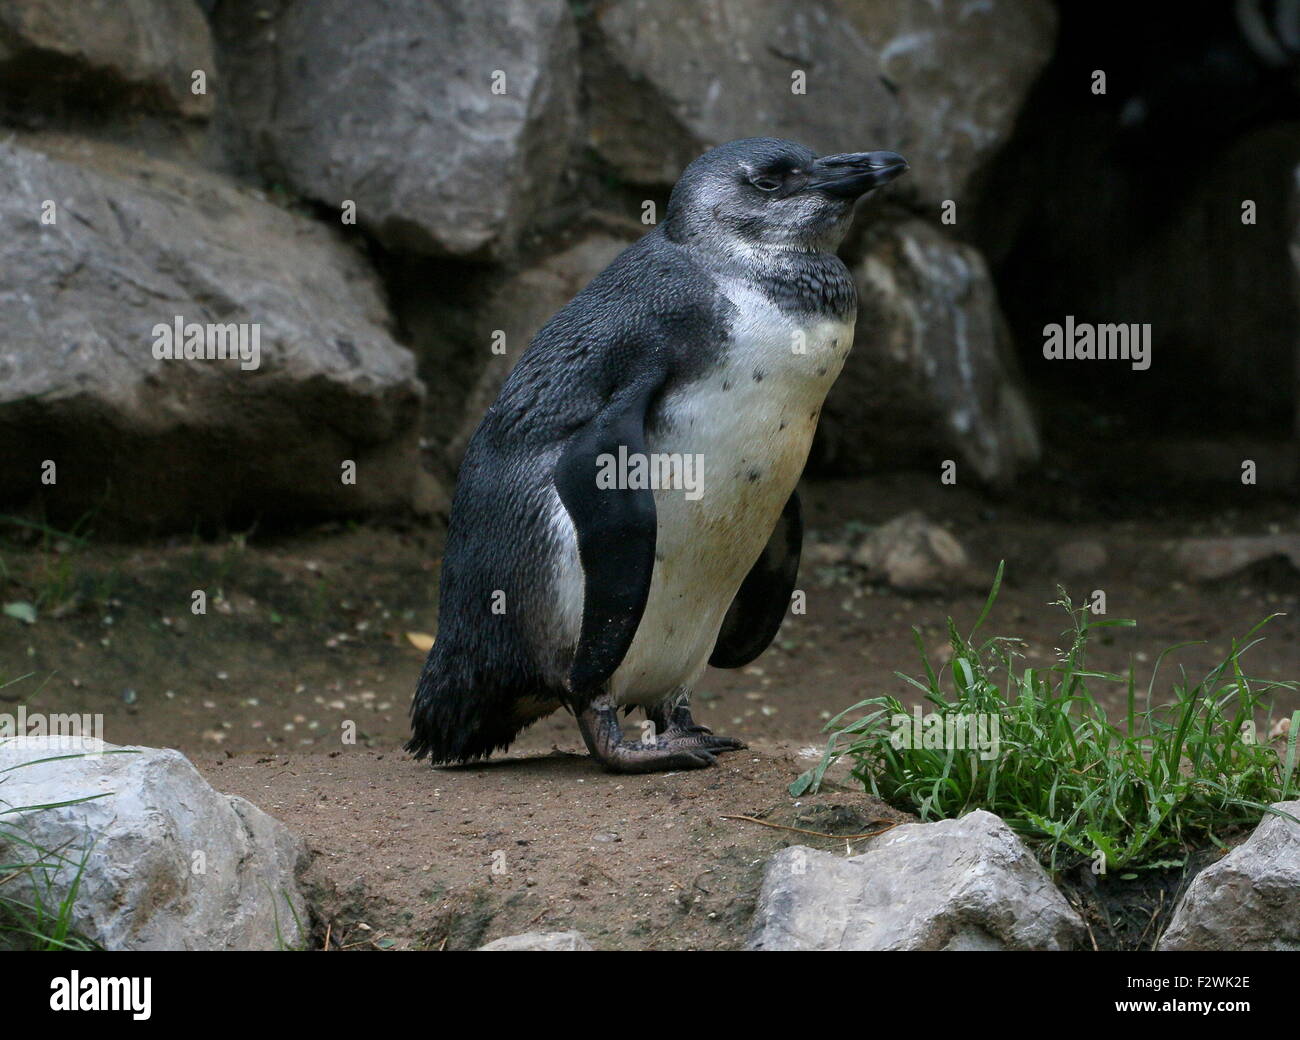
[{"x": 751, "y": 422}]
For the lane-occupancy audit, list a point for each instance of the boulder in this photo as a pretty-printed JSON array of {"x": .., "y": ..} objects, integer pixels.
[
  {"x": 1250, "y": 899},
  {"x": 449, "y": 124},
  {"x": 1209, "y": 559},
  {"x": 912, "y": 554},
  {"x": 931, "y": 375},
  {"x": 540, "y": 941},
  {"x": 170, "y": 863},
  {"x": 939, "y": 82},
  {"x": 965, "y": 884},
  {"x": 156, "y": 444},
  {"x": 666, "y": 82},
  {"x": 959, "y": 73},
  {"x": 106, "y": 53}
]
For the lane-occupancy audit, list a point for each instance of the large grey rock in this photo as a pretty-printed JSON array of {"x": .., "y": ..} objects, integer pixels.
[
  {"x": 962, "y": 71},
  {"x": 1250, "y": 899},
  {"x": 170, "y": 863},
  {"x": 158, "y": 444},
  {"x": 141, "y": 53},
  {"x": 667, "y": 81},
  {"x": 931, "y": 374},
  {"x": 967, "y": 884},
  {"x": 391, "y": 104},
  {"x": 540, "y": 941},
  {"x": 940, "y": 82}
]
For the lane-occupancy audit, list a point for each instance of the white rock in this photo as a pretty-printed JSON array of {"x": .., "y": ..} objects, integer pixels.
[
  {"x": 1250, "y": 899},
  {"x": 171, "y": 863},
  {"x": 966, "y": 884}
]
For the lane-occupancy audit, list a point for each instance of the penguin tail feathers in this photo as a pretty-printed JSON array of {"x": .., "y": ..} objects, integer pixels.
[{"x": 452, "y": 720}]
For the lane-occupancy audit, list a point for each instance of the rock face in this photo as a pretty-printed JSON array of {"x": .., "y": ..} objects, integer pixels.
[
  {"x": 960, "y": 72},
  {"x": 159, "y": 444},
  {"x": 540, "y": 941},
  {"x": 930, "y": 376},
  {"x": 967, "y": 884},
  {"x": 484, "y": 153},
  {"x": 140, "y": 52},
  {"x": 940, "y": 83},
  {"x": 1250, "y": 899},
  {"x": 448, "y": 124},
  {"x": 171, "y": 864},
  {"x": 667, "y": 81}
]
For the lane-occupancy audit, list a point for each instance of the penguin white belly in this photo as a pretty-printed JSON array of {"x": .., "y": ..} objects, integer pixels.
[{"x": 749, "y": 424}]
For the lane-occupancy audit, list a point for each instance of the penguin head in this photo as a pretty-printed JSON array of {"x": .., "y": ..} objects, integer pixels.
[{"x": 766, "y": 192}]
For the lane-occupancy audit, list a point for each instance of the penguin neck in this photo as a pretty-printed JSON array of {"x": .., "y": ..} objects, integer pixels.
[{"x": 797, "y": 280}]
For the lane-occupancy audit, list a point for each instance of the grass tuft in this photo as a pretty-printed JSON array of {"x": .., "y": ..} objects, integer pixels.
[{"x": 1175, "y": 774}]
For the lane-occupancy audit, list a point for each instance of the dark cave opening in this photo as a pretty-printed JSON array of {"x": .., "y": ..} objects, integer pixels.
[{"x": 1126, "y": 207}]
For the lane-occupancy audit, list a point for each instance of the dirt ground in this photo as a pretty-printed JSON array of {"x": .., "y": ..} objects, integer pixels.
[{"x": 306, "y": 637}]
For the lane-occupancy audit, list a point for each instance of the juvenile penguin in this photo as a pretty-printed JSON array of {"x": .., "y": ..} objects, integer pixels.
[{"x": 626, "y": 513}]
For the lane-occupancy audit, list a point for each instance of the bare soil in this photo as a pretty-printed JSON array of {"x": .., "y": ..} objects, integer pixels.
[{"x": 305, "y": 640}]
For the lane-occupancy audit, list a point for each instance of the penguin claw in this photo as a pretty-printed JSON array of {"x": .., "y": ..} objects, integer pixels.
[
  {"x": 632, "y": 758},
  {"x": 728, "y": 744},
  {"x": 705, "y": 741}
]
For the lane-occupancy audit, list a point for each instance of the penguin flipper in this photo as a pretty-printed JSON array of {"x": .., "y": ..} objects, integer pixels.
[
  {"x": 616, "y": 530},
  {"x": 756, "y": 613}
]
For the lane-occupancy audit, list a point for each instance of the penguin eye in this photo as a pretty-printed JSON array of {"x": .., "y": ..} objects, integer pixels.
[{"x": 765, "y": 183}]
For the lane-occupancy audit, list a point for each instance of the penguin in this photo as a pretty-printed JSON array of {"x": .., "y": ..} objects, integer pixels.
[{"x": 626, "y": 513}]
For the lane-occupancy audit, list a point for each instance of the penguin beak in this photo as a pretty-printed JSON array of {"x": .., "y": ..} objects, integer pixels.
[{"x": 851, "y": 174}]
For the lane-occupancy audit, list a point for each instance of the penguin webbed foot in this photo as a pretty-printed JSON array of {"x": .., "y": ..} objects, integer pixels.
[
  {"x": 604, "y": 739},
  {"x": 677, "y": 726}
]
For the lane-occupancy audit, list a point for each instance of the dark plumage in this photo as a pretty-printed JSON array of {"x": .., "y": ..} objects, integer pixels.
[
  {"x": 594, "y": 617},
  {"x": 483, "y": 663}
]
